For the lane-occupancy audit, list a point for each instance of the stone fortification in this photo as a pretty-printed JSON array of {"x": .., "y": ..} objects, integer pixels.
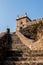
[{"x": 25, "y": 46}]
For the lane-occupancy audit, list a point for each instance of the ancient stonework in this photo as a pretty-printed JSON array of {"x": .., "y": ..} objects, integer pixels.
[{"x": 25, "y": 46}]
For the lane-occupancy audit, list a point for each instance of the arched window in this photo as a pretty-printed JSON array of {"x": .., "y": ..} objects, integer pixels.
[
  {"x": 21, "y": 22},
  {"x": 20, "y": 27},
  {"x": 23, "y": 25}
]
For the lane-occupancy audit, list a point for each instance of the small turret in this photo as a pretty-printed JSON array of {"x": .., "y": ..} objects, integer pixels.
[{"x": 22, "y": 21}]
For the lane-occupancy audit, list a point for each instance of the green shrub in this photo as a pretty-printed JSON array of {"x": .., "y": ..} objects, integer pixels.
[{"x": 37, "y": 25}]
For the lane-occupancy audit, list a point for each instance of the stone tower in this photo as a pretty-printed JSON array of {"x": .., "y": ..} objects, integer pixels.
[{"x": 22, "y": 22}]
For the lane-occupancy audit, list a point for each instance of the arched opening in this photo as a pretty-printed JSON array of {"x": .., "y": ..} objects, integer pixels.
[{"x": 20, "y": 28}]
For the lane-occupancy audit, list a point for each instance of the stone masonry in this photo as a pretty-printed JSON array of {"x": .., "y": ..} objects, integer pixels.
[{"x": 25, "y": 46}]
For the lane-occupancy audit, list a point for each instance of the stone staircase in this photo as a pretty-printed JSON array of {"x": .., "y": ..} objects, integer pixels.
[
  {"x": 26, "y": 41},
  {"x": 19, "y": 53}
]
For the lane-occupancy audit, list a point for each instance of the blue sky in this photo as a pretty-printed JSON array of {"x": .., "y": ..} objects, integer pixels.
[{"x": 9, "y": 9}]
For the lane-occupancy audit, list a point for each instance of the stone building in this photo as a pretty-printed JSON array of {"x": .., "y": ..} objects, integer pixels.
[{"x": 25, "y": 46}]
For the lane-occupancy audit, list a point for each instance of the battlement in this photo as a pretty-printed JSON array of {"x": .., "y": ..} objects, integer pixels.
[
  {"x": 22, "y": 17},
  {"x": 25, "y": 21}
]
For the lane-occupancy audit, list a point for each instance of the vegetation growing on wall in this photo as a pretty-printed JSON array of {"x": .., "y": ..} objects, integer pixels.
[
  {"x": 37, "y": 25},
  {"x": 31, "y": 31}
]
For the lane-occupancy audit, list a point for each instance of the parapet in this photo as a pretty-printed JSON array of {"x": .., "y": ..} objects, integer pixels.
[{"x": 22, "y": 17}]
